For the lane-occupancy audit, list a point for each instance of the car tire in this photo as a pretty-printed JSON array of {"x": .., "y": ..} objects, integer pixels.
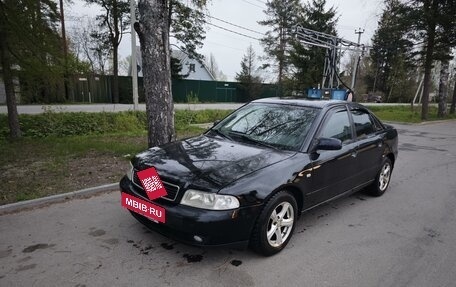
[
  {"x": 382, "y": 180},
  {"x": 275, "y": 225}
]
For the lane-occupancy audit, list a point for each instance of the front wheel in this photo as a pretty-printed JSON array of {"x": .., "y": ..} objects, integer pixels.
[
  {"x": 382, "y": 179},
  {"x": 275, "y": 224}
]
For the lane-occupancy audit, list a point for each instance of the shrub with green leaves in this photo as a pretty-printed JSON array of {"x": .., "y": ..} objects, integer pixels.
[
  {"x": 62, "y": 124},
  {"x": 68, "y": 124}
]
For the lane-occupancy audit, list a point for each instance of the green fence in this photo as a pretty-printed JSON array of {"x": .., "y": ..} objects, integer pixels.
[{"x": 97, "y": 89}]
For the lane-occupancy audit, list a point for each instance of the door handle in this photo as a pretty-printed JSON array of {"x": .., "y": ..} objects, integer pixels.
[{"x": 354, "y": 153}]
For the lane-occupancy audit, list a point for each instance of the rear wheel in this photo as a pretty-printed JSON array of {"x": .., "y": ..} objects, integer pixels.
[
  {"x": 275, "y": 224},
  {"x": 382, "y": 179}
]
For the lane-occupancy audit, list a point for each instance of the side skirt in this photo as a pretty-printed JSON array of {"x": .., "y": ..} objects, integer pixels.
[{"x": 344, "y": 194}]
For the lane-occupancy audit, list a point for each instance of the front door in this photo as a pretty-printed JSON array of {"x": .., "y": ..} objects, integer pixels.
[{"x": 332, "y": 172}]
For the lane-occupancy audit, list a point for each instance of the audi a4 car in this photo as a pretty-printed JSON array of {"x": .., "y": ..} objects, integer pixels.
[{"x": 246, "y": 180}]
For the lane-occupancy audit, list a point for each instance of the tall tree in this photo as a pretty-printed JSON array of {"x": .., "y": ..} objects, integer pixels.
[
  {"x": 391, "y": 54},
  {"x": 281, "y": 17},
  {"x": 430, "y": 10},
  {"x": 248, "y": 76},
  {"x": 308, "y": 61},
  {"x": 86, "y": 49},
  {"x": 213, "y": 68},
  {"x": 433, "y": 20},
  {"x": 155, "y": 21},
  {"x": 5, "y": 60},
  {"x": 30, "y": 42},
  {"x": 445, "y": 41},
  {"x": 113, "y": 23}
]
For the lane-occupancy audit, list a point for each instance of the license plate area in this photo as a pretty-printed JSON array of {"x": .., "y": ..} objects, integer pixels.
[{"x": 152, "y": 211}]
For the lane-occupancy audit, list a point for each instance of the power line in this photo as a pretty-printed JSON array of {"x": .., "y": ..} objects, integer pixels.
[
  {"x": 253, "y": 4},
  {"x": 232, "y": 31},
  {"x": 235, "y": 25}
]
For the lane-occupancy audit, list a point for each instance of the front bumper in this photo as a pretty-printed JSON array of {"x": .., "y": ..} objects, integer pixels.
[{"x": 198, "y": 226}]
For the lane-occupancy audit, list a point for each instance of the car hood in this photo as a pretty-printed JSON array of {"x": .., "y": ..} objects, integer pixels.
[{"x": 207, "y": 163}]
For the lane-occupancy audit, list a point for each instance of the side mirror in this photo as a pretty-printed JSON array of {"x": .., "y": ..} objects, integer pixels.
[{"x": 328, "y": 144}]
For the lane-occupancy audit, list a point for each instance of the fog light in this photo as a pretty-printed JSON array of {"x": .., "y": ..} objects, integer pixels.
[{"x": 197, "y": 238}]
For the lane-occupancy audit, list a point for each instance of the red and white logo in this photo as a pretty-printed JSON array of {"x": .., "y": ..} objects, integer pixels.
[
  {"x": 152, "y": 211},
  {"x": 152, "y": 183}
]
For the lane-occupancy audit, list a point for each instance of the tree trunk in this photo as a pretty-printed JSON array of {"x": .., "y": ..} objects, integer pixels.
[
  {"x": 115, "y": 77},
  {"x": 153, "y": 33},
  {"x": 443, "y": 88},
  {"x": 13, "y": 118},
  {"x": 429, "y": 55},
  {"x": 65, "y": 52},
  {"x": 453, "y": 102},
  {"x": 115, "y": 53}
]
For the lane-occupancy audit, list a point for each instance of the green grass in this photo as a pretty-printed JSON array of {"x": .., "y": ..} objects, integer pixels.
[
  {"x": 62, "y": 152},
  {"x": 405, "y": 114},
  {"x": 37, "y": 167},
  {"x": 71, "y": 124}
]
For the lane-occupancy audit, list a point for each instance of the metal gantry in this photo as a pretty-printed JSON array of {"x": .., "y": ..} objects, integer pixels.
[{"x": 334, "y": 46}]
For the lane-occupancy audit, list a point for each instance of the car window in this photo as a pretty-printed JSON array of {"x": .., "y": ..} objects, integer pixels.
[
  {"x": 337, "y": 126},
  {"x": 364, "y": 125},
  {"x": 283, "y": 126}
]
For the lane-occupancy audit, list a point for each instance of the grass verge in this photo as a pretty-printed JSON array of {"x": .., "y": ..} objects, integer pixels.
[
  {"x": 62, "y": 152},
  {"x": 405, "y": 114}
]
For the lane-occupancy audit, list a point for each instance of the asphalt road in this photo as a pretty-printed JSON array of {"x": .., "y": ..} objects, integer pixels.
[{"x": 405, "y": 238}]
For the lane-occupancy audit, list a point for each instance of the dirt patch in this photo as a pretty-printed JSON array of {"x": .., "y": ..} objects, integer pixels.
[
  {"x": 98, "y": 169},
  {"x": 34, "y": 168},
  {"x": 33, "y": 179}
]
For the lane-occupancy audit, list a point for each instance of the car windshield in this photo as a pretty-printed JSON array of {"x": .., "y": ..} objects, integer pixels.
[{"x": 278, "y": 126}]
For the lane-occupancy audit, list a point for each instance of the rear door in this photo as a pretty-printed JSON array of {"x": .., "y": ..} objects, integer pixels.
[{"x": 369, "y": 138}]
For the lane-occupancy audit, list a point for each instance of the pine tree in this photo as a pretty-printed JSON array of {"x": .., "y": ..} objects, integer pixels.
[
  {"x": 433, "y": 21},
  {"x": 308, "y": 61},
  {"x": 392, "y": 54},
  {"x": 282, "y": 17},
  {"x": 30, "y": 42},
  {"x": 248, "y": 77},
  {"x": 445, "y": 41},
  {"x": 112, "y": 23}
]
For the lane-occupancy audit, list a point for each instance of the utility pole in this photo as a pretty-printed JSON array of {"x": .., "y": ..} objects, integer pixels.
[
  {"x": 359, "y": 31},
  {"x": 134, "y": 67}
]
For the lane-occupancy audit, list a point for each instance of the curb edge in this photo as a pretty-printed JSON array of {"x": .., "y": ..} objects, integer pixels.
[{"x": 40, "y": 202}]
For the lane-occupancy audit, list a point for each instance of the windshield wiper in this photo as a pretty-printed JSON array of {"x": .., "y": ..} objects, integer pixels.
[
  {"x": 250, "y": 139},
  {"x": 222, "y": 134}
]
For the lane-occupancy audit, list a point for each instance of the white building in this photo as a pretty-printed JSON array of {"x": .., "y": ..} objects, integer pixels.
[{"x": 194, "y": 69}]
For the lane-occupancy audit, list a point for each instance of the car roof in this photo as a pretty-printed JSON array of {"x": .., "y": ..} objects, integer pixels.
[{"x": 320, "y": 104}]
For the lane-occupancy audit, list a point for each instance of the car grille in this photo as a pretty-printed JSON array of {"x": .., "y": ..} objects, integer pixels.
[{"x": 171, "y": 189}]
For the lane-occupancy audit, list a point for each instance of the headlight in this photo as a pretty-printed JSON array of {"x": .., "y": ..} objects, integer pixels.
[
  {"x": 209, "y": 200},
  {"x": 130, "y": 172}
]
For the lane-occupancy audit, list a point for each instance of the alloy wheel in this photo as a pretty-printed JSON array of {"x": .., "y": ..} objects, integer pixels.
[{"x": 280, "y": 224}]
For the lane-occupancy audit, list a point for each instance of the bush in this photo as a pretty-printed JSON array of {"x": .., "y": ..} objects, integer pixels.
[
  {"x": 62, "y": 124},
  {"x": 186, "y": 117},
  {"x": 68, "y": 124}
]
